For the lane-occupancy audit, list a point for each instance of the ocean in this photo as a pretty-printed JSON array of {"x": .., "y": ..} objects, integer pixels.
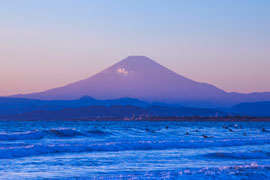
[{"x": 134, "y": 150}]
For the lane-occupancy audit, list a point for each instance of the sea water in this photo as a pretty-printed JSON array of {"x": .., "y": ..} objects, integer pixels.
[{"x": 134, "y": 150}]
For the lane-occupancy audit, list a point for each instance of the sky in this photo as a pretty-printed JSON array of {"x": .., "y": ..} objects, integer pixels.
[{"x": 47, "y": 44}]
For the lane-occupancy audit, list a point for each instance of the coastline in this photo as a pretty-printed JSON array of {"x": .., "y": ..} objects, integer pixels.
[{"x": 157, "y": 119}]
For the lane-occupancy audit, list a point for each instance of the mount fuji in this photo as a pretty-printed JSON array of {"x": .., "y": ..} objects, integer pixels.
[{"x": 142, "y": 78}]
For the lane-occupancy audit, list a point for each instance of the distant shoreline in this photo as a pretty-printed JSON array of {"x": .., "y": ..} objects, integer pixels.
[
  {"x": 214, "y": 119},
  {"x": 158, "y": 119},
  {"x": 186, "y": 119}
]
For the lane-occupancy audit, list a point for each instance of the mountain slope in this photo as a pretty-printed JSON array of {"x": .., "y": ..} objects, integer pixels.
[
  {"x": 142, "y": 78},
  {"x": 136, "y": 77}
]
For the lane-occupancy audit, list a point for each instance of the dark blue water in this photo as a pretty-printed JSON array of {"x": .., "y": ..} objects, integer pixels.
[{"x": 134, "y": 150}]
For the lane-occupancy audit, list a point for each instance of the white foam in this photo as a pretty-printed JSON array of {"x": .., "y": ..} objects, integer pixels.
[{"x": 37, "y": 149}]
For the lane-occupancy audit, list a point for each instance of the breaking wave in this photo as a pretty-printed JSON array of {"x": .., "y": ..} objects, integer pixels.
[
  {"x": 60, "y": 133},
  {"x": 21, "y": 135},
  {"x": 241, "y": 155},
  {"x": 38, "y": 148}
]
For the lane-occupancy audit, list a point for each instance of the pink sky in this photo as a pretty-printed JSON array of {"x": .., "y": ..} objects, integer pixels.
[{"x": 49, "y": 44}]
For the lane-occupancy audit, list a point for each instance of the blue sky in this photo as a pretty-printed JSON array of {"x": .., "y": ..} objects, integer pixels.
[{"x": 45, "y": 44}]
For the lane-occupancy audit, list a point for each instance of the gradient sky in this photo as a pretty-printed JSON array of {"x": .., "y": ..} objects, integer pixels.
[{"x": 49, "y": 43}]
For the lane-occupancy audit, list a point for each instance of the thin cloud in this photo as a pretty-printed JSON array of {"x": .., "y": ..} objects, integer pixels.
[{"x": 122, "y": 71}]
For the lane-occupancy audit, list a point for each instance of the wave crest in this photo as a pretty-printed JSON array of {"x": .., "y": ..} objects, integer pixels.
[
  {"x": 58, "y": 133},
  {"x": 240, "y": 155},
  {"x": 21, "y": 135},
  {"x": 38, "y": 149}
]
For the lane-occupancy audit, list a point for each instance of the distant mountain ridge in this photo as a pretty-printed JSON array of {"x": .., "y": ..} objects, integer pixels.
[
  {"x": 113, "y": 112},
  {"x": 253, "y": 109},
  {"x": 142, "y": 78},
  {"x": 21, "y": 105},
  {"x": 88, "y": 107}
]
